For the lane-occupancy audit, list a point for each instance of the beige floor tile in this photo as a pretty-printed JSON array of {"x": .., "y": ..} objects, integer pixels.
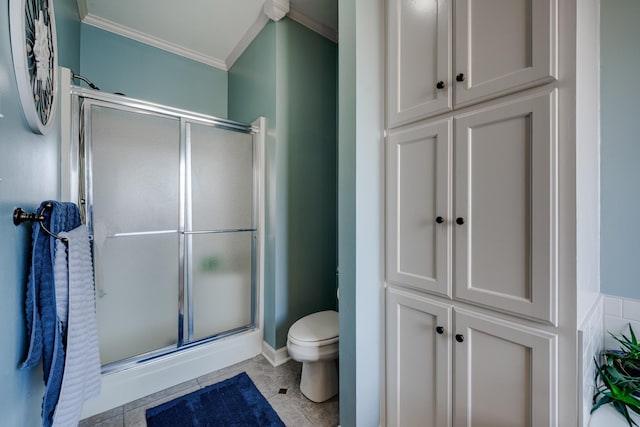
[
  {"x": 177, "y": 390},
  {"x": 294, "y": 409},
  {"x": 110, "y": 416}
]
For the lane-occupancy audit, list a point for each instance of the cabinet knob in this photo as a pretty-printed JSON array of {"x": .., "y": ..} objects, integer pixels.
[
  {"x": 439, "y": 219},
  {"x": 459, "y": 220},
  {"x": 460, "y": 77},
  {"x": 440, "y": 85},
  {"x": 440, "y": 330},
  {"x": 459, "y": 337}
]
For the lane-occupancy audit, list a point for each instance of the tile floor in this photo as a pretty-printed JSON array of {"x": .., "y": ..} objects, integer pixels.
[{"x": 294, "y": 409}]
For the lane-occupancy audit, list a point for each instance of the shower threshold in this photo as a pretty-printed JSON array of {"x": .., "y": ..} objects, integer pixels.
[{"x": 150, "y": 356}]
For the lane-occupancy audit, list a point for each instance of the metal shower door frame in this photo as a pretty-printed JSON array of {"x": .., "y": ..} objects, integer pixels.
[{"x": 82, "y": 101}]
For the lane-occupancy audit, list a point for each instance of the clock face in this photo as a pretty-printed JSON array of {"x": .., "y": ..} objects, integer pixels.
[{"x": 33, "y": 45}]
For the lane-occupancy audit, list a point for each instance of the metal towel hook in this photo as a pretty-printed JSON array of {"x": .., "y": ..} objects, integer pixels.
[{"x": 20, "y": 216}]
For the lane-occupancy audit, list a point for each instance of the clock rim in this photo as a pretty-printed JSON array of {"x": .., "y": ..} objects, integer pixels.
[{"x": 21, "y": 68}]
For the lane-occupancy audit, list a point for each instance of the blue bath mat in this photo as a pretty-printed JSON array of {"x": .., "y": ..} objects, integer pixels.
[{"x": 233, "y": 402}]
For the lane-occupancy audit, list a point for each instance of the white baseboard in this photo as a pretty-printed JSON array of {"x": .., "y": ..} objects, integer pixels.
[{"x": 275, "y": 357}]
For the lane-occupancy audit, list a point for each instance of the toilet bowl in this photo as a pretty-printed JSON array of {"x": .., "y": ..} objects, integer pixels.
[{"x": 313, "y": 340}]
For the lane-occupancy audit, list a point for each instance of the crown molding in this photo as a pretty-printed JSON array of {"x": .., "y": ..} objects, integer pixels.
[
  {"x": 313, "y": 25},
  {"x": 128, "y": 32},
  {"x": 246, "y": 40},
  {"x": 83, "y": 11},
  {"x": 276, "y": 9}
]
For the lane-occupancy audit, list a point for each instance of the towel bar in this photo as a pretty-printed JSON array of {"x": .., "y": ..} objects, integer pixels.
[{"x": 20, "y": 216}]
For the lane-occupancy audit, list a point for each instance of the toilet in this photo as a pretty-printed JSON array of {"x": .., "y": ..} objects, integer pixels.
[{"x": 313, "y": 340}]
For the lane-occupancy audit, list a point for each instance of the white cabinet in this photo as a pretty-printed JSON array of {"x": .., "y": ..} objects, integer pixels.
[
  {"x": 504, "y": 203},
  {"x": 477, "y": 221},
  {"x": 418, "y": 204},
  {"x": 504, "y": 373},
  {"x": 499, "y": 47},
  {"x": 502, "y": 46},
  {"x": 419, "y": 56},
  {"x": 418, "y": 361},
  {"x": 491, "y": 209},
  {"x": 471, "y": 369}
]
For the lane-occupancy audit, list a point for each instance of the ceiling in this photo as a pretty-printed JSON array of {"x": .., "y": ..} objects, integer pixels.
[{"x": 214, "y": 32}]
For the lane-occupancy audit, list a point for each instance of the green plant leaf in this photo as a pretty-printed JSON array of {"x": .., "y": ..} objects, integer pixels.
[
  {"x": 602, "y": 401},
  {"x": 617, "y": 377}
]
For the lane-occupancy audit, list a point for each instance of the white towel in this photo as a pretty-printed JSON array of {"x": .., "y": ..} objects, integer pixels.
[
  {"x": 61, "y": 283},
  {"x": 81, "y": 379}
]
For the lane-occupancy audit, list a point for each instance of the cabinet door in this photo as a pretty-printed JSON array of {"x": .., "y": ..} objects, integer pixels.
[
  {"x": 418, "y": 361},
  {"x": 418, "y": 188},
  {"x": 505, "y": 192},
  {"x": 419, "y": 45},
  {"x": 504, "y": 373},
  {"x": 502, "y": 46}
]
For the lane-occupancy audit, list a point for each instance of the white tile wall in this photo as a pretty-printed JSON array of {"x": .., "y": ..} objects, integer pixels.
[
  {"x": 590, "y": 341},
  {"x": 619, "y": 313}
]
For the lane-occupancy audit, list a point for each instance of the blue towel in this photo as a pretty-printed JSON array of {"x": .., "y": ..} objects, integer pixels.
[{"x": 44, "y": 329}]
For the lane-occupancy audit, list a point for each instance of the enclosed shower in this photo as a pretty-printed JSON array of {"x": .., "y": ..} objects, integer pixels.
[{"x": 171, "y": 199}]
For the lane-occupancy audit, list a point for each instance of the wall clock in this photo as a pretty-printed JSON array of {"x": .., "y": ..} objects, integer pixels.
[{"x": 34, "y": 51}]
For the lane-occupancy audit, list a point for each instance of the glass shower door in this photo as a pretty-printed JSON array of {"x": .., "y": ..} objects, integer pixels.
[
  {"x": 220, "y": 230},
  {"x": 171, "y": 205},
  {"x": 134, "y": 165}
]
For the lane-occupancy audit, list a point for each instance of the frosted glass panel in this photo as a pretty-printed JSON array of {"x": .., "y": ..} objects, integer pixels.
[
  {"x": 135, "y": 171},
  {"x": 136, "y": 294},
  {"x": 221, "y": 178},
  {"x": 135, "y": 160},
  {"x": 221, "y": 268}
]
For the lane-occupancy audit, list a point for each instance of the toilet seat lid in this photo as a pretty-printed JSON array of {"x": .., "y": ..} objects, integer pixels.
[{"x": 316, "y": 327}]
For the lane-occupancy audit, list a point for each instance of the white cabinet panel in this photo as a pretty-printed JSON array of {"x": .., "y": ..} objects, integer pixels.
[
  {"x": 504, "y": 207},
  {"x": 499, "y": 47},
  {"x": 502, "y": 46},
  {"x": 418, "y": 212},
  {"x": 419, "y": 45},
  {"x": 503, "y": 373},
  {"x": 418, "y": 361}
]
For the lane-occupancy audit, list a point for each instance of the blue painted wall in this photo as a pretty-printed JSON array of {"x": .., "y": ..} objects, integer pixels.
[
  {"x": 252, "y": 93},
  {"x": 118, "y": 64},
  {"x": 620, "y": 147},
  {"x": 29, "y": 169},
  {"x": 289, "y": 75}
]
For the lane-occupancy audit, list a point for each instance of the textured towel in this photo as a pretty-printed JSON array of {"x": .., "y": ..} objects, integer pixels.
[
  {"x": 81, "y": 380},
  {"x": 43, "y": 326},
  {"x": 61, "y": 281}
]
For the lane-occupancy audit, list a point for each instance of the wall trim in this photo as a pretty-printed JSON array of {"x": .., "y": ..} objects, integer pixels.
[
  {"x": 275, "y": 357},
  {"x": 83, "y": 11},
  {"x": 225, "y": 65},
  {"x": 159, "y": 43},
  {"x": 313, "y": 25},
  {"x": 276, "y": 9},
  {"x": 244, "y": 43}
]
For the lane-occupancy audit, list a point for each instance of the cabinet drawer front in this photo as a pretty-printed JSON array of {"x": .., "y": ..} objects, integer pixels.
[
  {"x": 502, "y": 46},
  {"x": 418, "y": 187},
  {"x": 505, "y": 192},
  {"x": 419, "y": 44},
  {"x": 418, "y": 361},
  {"x": 504, "y": 373}
]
